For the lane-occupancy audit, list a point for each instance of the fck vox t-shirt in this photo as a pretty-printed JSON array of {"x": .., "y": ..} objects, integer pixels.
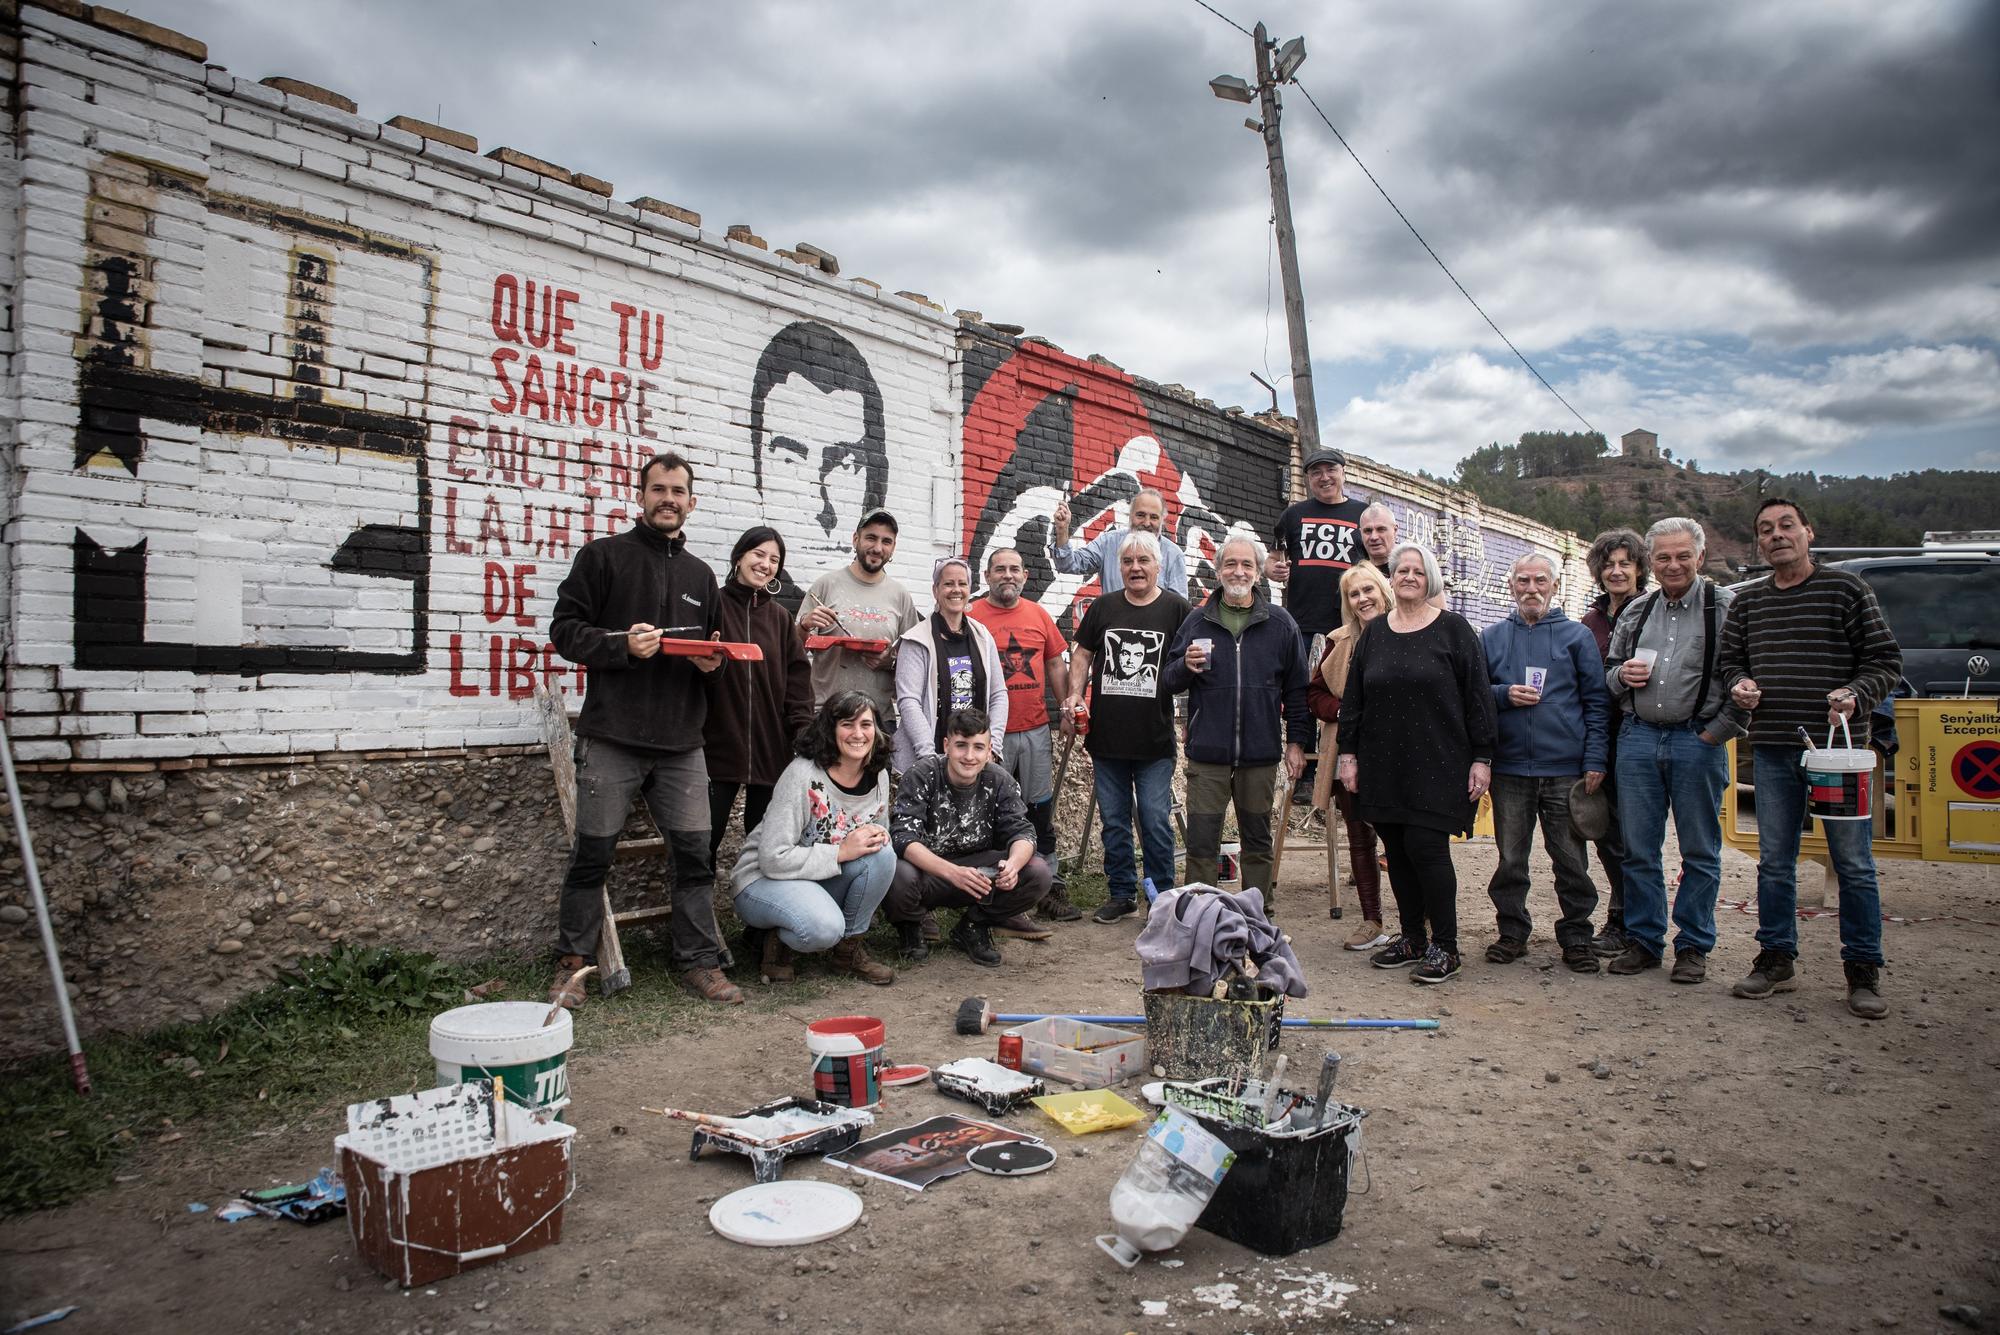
[
  {"x": 1321, "y": 541},
  {"x": 1131, "y": 718}
]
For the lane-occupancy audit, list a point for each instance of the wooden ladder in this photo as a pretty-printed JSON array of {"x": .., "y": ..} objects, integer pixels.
[
  {"x": 612, "y": 975},
  {"x": 1282, "y": 813}
]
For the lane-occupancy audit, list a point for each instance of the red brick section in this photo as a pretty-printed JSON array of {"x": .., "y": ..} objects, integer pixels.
[
  {"x": 312, "y": 92},
  {"x": 660, "y": 206},
  {"x": 514, "y": 157},
  {"x": 455, "y": 138},
  {"x": 595, "y": 185},
  {"x": 152, "y": 34}
]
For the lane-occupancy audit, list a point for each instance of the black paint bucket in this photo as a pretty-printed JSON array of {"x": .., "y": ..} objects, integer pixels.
[{"x": 1285, "y": 1193}]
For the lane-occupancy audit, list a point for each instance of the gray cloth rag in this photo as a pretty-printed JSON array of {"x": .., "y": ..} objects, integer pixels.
[{"x": 1192, "y": 935}]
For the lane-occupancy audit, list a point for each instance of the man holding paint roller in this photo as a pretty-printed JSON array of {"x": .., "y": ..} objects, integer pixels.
[
  {"x": 1802, "y": 649},
  {"x": 1661, "y": 668},
  {"x": 641, "y": 726}
]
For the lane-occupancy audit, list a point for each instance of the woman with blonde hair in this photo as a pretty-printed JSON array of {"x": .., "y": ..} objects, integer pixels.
[{"x": 1364, "y": 595}]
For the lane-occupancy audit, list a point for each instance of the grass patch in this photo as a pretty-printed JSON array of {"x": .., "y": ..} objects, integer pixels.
[{"x": 342, "y": 1027}]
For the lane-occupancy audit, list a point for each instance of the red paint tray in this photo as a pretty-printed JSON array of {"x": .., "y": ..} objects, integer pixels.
[
  {"x": 736, "y": 649},
  {"x": 431, "y": 1192},
  {"x": 854, "y": 642}
]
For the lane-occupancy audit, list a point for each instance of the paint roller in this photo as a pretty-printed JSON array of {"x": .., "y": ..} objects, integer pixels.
[{"x": 976, "y": 1015}]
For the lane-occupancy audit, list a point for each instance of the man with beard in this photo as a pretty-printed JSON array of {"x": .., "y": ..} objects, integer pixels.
[
  {"x": 1031, "y": 659},
  {"x": 641, "y": 726},
  {"x": 1243, "y": 665},
  {"x": 1099, "y": 556},
  {"x": 862, "y": 600},
  {"x": 1548, "y": 685}
]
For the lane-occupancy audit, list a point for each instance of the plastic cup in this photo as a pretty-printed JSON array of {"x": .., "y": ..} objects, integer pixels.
[{"x": 1534, "y": 678}]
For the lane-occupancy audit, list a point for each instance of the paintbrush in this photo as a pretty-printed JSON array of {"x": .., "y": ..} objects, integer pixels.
[
  {"x": 740, "y": 1127},
  {"x": 576, "y": 977}
]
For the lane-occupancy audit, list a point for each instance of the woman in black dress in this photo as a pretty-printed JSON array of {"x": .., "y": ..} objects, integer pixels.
[{"x": 1418, "y": 720}]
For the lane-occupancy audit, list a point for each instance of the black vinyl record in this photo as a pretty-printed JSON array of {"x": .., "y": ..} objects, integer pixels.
[{"x": 1014, "y": 1158}]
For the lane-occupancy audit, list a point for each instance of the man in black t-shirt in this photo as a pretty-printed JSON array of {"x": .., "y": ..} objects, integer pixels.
[
  {"x": 1121, "y": 646},
  {"x": 1318, "y": 538}
]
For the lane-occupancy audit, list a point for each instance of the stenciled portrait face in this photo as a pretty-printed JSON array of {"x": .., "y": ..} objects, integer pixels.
[{"x": 817, "y": 437}]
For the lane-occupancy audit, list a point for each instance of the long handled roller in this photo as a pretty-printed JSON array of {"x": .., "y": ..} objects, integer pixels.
[
  {"x": 79, "y": 1073},
  {"x": 976, "y": 1015}
]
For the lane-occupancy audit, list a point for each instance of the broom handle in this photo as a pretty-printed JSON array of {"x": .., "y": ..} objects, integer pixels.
[
  {"x": 79, "y": 1073},
  {"x": 1288, "y": 1022}
]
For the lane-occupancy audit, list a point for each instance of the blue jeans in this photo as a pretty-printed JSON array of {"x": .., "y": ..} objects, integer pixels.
[
  {"x": 814, "y": 915},
  {"x": 1662, "y": 768},
  {"x": 1781, "y": 809},
  {"x": 1153, "y": 781}
]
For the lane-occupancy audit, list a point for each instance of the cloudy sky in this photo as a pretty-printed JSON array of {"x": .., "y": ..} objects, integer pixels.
[{"x": 1767, "y": 229}]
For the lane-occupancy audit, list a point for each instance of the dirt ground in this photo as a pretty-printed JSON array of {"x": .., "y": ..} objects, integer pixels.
[{"x": 1632, "y": 1155}]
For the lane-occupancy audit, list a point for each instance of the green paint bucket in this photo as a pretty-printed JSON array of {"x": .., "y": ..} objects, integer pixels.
[{"x": 506, "y": 1039}]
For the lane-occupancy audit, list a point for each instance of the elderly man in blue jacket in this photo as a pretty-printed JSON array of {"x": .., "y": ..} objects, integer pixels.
[
  {"x": 1548, "y": 685},
  {"x": 1243, "y": 666}
]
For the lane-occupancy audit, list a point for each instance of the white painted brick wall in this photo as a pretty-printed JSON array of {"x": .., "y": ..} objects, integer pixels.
[{"x": 240, "y": 522}]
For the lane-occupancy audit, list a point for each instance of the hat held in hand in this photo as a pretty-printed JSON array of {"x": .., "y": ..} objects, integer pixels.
[{"x": 1589, "y": 813}]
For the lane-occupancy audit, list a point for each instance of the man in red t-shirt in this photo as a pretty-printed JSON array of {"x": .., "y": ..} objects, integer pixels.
[{"x": 1031, "y": 661}]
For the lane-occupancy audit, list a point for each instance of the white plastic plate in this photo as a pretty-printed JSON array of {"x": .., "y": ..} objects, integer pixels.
[{"x": 785, "y": 1214}]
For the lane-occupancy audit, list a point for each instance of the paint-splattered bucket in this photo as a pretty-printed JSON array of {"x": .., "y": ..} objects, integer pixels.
[
  {"x": 847, "y": 1059},
  {"x": 1229, "y": 867},
  {"x": 507, "y": 1039},
  {"x": 1837, "y": 778}
]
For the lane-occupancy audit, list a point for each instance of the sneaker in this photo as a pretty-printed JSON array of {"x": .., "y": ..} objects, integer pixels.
[
  {"x": 1864, "y": 991},
  {"x": 1439, "y": 964},
  {"x": 1580, "y": 958},
  {"x": 1022, "y": 928},
  {"x": 932, "y": 933},
  {"x": 1111, "y": 910},
  {"x": 1055, "y": 905},
  {"x": 1690, "y": 966},
  {"x": 774, "y": 958},
  {"x": 975, "y": 938},
  {"x": 851, "y": 957},
  {"x": 1610, "y": 942},
  {"x": 1506, "y": 950},
  {"x": 1367, "y": 936},
  {"x": 567, "y": 988},
  {"x": 910, "y": 940},
  {"x": 711, "y": 985},
  {"x": 1399, "y": 954},
  {"x": 1772, "y": 972},
  {"x": 1635, "y": 959}
]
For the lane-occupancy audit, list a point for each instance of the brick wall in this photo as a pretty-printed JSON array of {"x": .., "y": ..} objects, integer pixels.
[{"x": 316, "y": 411}]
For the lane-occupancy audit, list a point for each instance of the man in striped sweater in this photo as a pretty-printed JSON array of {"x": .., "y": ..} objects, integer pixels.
[{"x": 1802, "y": 649}]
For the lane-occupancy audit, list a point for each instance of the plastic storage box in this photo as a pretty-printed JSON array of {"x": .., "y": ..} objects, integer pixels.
[{"x": 1095, "y": 1056}]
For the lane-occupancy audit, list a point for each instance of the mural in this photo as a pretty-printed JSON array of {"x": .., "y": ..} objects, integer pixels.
[
  {"x": 337, "y": 577},
  {"x": 1042, "y": 426}
]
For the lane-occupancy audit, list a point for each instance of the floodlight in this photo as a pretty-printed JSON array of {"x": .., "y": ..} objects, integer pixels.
[
  {"x": 1232, "y": 89},
  {"x": 1290, "y": 56}
]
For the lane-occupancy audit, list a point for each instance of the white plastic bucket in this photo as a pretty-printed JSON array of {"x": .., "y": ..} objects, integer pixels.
[
  {"x": 1229, "y": 867},
  {"x": 506, "y": 1039},
  {"x": 1837, "y": 778}
]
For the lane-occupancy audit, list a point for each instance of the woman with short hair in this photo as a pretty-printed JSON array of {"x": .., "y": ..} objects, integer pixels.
[
  {"x": 1417, "y": 728},
  {"x": 1617, "y": 561},
  {"x": 815, "y": 869}
]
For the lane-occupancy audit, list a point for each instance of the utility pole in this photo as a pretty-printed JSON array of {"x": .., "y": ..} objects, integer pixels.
[{"x": 1233, "y": 89}]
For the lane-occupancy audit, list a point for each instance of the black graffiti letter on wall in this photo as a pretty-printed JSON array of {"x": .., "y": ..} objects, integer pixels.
[
  {"x": 283, "y": 525},
  {"x": 817, "y": 434}
]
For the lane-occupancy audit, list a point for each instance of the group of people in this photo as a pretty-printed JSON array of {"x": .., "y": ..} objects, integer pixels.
[{"x": 895, "y": 761}]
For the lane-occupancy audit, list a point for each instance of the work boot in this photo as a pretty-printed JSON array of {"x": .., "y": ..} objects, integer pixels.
[
  {"x": 567, "y": 989},
  {"x": 1772, "y": 972},
  {"x": 1864, "y": 992},
  {"x": 1506, "y": 950},
  {"x": 1610, "y": 942},
  {"x": 910, "y": 940},
  {"x": 1056, "y": 906},
  {"x": 1367, "y": 936},
  {"x": 850, "y": 956},
  {"x": 1580, "y": 958},
  {"x": 1690, "y": 966},
  {"x": 930, "y": 926},
  {"x": 975, "y": 938},
  {"x": 775, "y": 959},
  {"x": 710, "y": 985},
  {"x": 1634, "y": 959},
  {"x": 1022, "y": 928},
  {"x": 1111, "y": 910}
]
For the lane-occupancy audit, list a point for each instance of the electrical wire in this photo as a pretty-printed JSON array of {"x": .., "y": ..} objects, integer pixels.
[
  {"x": 1434, "y": 255},
  {"x": 1413, "y": 232}
]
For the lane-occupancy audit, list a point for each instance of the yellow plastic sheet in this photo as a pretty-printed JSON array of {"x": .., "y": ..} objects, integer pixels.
[{"x": 1082, "y": 1111}]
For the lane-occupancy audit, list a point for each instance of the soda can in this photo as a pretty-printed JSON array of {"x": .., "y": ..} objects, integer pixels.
[{"x": 1010, "y": 1051}]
